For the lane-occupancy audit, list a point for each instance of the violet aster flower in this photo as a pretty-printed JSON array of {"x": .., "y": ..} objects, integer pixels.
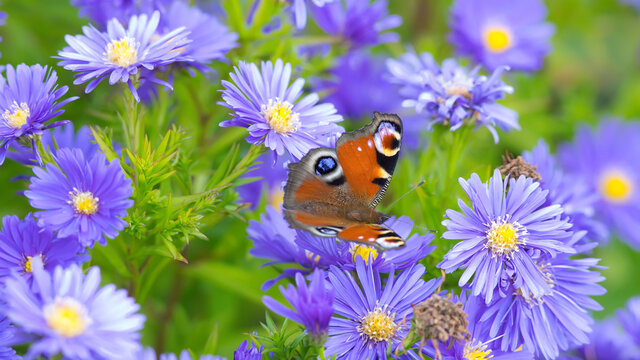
[
  {"x": 606, "y": 342},
  {"x": 501, "y": 32},
  {"x": 80, "y": 197},
  {"x": 21, "y": 241},
  {"x": 263, "y": 101},
  {"x": 6, "y": 340},
  {"x": 312, "y": 304},
  {"x": 120, "y": 54},
  {"x": 502, "y": 234},
  {"x": 101, "y": 11},
  {"x": 453, "y": 95},
  {"x": 299, "y": 10},
  {"x": 358, "y": 85},
  {"x": 358, "y": 22},
  {"x": 369, "y": 317},
  {"x": 607, "y": 160},
  {"x": 271, "y": 183},
  {"x": 247, "y": 351},
  {"x": 29, "y": 97},
  {"x": 573, "y": 194},
  {"x": 72, "y": 315},
  {"x": 150, "y": 354},
  {"x": 630, "y": 319}
]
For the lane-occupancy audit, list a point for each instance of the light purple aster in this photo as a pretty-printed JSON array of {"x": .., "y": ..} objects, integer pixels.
[
  {"x": 358, "y": 85},
  {"x": 630, "y": 319},
  {"x": 84, "y": 198},
  {"x": 270, "y": 182},
  {"x": 247, "y": 351},
  {"x": 121, "y": 54},
  {"x": 29, "y": 97},
  {"x": 556, "y": 321},
  {"x": 150, "y": 354},
  {"x": 312, "y": 304},
  {"x": 606, "y": 342},
  {"x": 101, "y": 11},
  {"x": 372, "y": 317},
  {"x": 6, "y": 340},
  {"x": 299, "y": 10},
  {"x": 263, "y": 101},
  {"x": 22, "y": 240},
  {"x": 72, "y": 315},
  {"x": 453, "y": 95},
  {"x": 359, "y": 23},
  {"x": 573, "y": 194},
  {"x": 503, "y": 233},
  {"x": 607, "y": 161},
  {"x": 496, "y": 33}
]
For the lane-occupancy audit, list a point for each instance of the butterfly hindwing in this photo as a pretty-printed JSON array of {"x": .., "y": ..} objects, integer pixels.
[
  {"x": 377, "y": 235},
  {"x": 369, "y": 155}
]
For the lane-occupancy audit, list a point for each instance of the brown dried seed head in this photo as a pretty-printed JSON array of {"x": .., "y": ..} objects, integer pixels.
[
  {"x": 514, "y": 167},
  {"x": 439, "y": 319}
]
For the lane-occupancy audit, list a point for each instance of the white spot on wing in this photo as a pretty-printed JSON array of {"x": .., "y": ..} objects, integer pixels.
[
  {"x": 359, "y": 148},
  {"x": 370, "y": 144}
]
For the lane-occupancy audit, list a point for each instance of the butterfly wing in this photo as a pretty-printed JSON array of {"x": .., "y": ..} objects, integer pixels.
[
  {"x": 368, "y": 156},
  {"x": 377, "y": 235}
]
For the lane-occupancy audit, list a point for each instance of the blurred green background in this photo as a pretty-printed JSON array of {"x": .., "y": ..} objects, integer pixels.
[{"x": 592, "y": 73}]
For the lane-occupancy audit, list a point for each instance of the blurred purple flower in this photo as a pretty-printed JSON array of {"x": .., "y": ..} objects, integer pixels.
[
  {"x": 607, "y": 160},
  {"x": 498, "y": 33},
  {"x": 121, "y": 54},
  {"x": 359, "y": 23},
  {"x": 84, "y": 198},
  {"x": 6, "y": 340},
  {"x": 369, "y": 317},
  {"x": 72, "y": 315},
  {"x": 28, "y": 99},
  {"x": 312, "y": 304},
  {"x": 247, "y": 351},
  {"x": 503, "y": 234},
  {"x": 272, "y": 176},
  {"x": 22, "y": 240},
  {"x": 606, "y": 342},
  {"x": 299, "y": 10},
  {"x": 630, "y": 319},
  {"x": 263, "y": 101},
  {"x": 150, "y": 354},
  {"x": 451, "y": 94}
]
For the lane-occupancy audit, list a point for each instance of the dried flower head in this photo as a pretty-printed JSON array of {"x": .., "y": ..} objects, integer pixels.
[{"x": 514, "y": 167}]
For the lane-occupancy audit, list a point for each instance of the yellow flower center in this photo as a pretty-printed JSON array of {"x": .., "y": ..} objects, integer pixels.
[
  {"x": 276, "y": 198},
  {"x": 476, "y": 352},
  {"x": 365, "y": 252},
  {"x": 504, "y": 237},
  {"x": 17, "y": 115},
  {"x": 616, "y": 187},
  {"x": 280, "y": 116},
  {"x": 27, "y": 263},
  {"x": 311, "y": 256},
  {"x": 83, "y": 202},
  {"x": 378, "y": 325},
  {"x": 122, "y": 52},
  {"x": 67, "y": 317},
  {"x": 497, "y": 39}
]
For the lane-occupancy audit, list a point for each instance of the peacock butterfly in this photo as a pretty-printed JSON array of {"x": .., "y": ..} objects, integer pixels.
[{"x": 334, "y": 192}]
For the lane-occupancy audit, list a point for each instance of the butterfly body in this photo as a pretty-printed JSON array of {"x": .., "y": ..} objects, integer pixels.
[{"x": 333, "y": 192}]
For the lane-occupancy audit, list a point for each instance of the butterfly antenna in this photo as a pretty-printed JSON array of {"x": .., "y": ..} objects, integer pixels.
[{"x": 405, "y": 194}]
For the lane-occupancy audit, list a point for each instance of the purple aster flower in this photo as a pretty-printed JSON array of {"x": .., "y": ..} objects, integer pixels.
[
  {"x": 120, "y": 54},
  {"x": 101, "y": 11},
  {"x": 312, "y": 304},
  {"x": 606, "y": 342},
  {"x": 150, "y": 354},
  {"x": 502, "y": 234},
  {"x": 299, "y": 10},
  {"x": 630, "y": 319},
  {"x": 21, "y": 241},
  {"x": 369, "y": 317},
  {"x": 358, "y": 22},
  {"x": 6, "y": 341},
  {"x": 573, "y": 194},
  {"x": 28, "y": 99},
  {"x": 359, "y": 85},
  {"x": 247, "y": 351},
  {"x": 501, "y": 32},
  {"x": 263, "y": 101},
  {"x": 453, "y": 95},
  {"x": 607, "y": 161},
  {"x": 271, "y": 178},
  {"x": 72, "y": 315},
  {"x": 84, "y": 198}
]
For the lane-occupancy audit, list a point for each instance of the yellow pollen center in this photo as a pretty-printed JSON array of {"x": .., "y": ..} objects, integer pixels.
[
  {"x": 67, "y": 317},
  {"x": 27, "y": 263},
  {"x": 504, "y": 237},
  {"x": 616, "y": 187},
  {"x": 497, "y": 39},
  {"x": 378, "y": 325},
  {"x": 17, "y": 115},
  {"x": 365, "y": 252},
  {"x": 276, "y": 198},
  {"x": 122, "y": 52},
  {"x": 478, "y": 354},
  {"x": 280, "y": 116},
  {"x": 84, "y": 202}
]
